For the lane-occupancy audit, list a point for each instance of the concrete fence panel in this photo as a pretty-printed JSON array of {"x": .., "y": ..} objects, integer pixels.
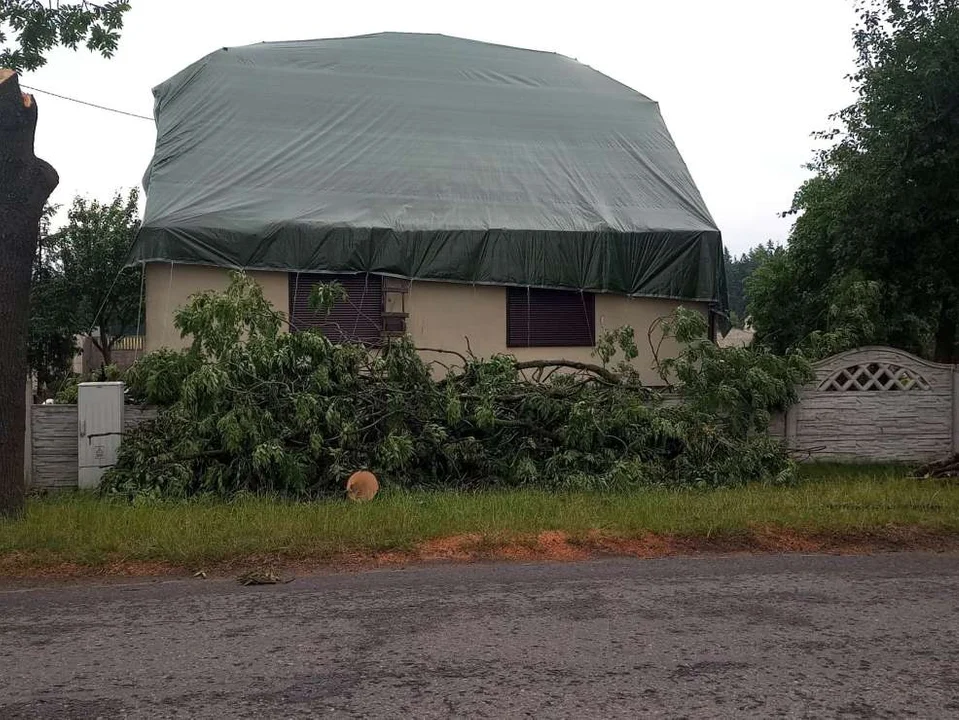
[{"x": 876, "y": 404}]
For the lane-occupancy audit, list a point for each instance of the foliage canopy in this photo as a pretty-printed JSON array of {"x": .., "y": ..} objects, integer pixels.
[
  {"x": 877, "y": 228},
  {"x": 738, "y": 269},
  {"x": 93, "y": 248},
  {"x": 29, "y": 29},
  {"x": 80, "y": 279},
  {"x": 50, "y": 343}
]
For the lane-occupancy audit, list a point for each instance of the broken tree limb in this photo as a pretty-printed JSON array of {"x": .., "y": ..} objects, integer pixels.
[
  {"x": 440, "y": 351},
  {"x": 948, "y": 468},
  {"x": 598, "y": 370}
]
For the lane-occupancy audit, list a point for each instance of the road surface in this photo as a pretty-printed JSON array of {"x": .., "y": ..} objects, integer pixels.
[{"x": 792, "y": 636}]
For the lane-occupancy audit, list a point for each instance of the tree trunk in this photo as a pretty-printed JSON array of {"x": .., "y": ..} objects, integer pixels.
[
  {"x": 946, "y": 332},
  {"x": 25, "y": 185},
  {"x": 105, "y": 346}
]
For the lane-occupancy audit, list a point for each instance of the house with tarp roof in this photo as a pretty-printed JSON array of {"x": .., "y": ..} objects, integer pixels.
[{"x": 457, "y": 189}]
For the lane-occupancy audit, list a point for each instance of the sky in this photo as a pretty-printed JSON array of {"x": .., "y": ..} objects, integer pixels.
[{"x": 742, "y": 84}]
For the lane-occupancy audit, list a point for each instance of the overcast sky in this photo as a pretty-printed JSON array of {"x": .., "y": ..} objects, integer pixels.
[{"x": 741, "y": 83}]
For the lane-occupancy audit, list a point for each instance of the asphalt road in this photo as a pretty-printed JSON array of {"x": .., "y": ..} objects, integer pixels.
[{"x": 795, "y": 636}]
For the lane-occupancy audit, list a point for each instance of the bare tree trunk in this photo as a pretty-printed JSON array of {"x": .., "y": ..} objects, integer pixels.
[
  {"x": 105, "y": 346},
  {"x": 25, "y": 184},
  {"x": 946, "y": 332}
]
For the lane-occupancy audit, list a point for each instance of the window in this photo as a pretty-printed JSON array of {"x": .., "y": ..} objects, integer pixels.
[
  {"x": 358, "y": 319},
  {"x": 550, "y": 318}
]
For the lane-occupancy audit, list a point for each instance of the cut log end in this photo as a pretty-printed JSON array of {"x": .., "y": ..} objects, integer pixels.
[
  {"x": 362, "y": 486},
  {"x": 6, "y": 74}
]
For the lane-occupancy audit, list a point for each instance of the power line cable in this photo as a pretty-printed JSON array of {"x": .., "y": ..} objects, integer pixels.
[{"x": 88, "y": 104}]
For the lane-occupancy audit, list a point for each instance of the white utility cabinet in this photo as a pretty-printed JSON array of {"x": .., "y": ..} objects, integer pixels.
[{"x": 100, "y": 427}]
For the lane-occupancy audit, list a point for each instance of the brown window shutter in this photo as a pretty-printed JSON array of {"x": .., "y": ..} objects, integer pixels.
[
  {"x": 550, "y": 318},
  {"x": 357, "y": 319}
]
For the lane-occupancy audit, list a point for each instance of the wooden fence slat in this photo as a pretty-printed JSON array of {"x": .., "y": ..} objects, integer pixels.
[{"x": 54, "y": 454}]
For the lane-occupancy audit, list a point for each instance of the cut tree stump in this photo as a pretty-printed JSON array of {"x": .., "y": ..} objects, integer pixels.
[{"x": 25, "y": 185}]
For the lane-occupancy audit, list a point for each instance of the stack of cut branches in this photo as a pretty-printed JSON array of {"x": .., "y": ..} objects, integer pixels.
[
  {"x": 249, "y": 408},
  {"x": 948, "y": 468}
]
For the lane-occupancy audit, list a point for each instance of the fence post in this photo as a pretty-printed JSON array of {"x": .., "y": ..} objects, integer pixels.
[
  {"x": 955, "y": 409},
  {"x": 790, "y": 423},
  {"x": 28, "y": 437}
]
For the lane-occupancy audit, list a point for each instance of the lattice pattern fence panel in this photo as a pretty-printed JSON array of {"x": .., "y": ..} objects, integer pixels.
[
  {"x": 876, "y": 404},
  {"x": 875, "y": 377}
]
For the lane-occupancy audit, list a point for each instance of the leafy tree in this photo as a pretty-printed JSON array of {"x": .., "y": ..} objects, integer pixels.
[
  {"x": 738, "y": 269},
  {"x": 51, "y": 345},
  {"x": 79, "y": 281},
  {"x": 882, "y": 211},
  {"x": 28, "y": 29},
  {"x": 734, "y": 288},
  {"x": 92, "y": 249},
  {"x": 780, "y": 318},
  {"x": 818, "y": 320}
]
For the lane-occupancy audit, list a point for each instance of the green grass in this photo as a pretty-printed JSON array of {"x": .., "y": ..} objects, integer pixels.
[{"x": 83, "y": 529}]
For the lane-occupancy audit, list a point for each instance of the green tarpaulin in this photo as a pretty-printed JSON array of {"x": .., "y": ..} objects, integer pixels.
[{"x": 425, "y": 157}]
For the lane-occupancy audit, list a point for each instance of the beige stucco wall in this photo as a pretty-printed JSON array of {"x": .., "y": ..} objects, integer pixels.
[
  {"x": 441, "y": 315},
  {"x": 168, "y": 287}
]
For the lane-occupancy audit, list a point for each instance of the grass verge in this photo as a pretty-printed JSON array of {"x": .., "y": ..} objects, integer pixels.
[{"x": 832, "y": 509}]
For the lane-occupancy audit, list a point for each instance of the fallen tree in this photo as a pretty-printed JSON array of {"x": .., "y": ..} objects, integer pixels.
[{"x": 249, "y": 408}]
